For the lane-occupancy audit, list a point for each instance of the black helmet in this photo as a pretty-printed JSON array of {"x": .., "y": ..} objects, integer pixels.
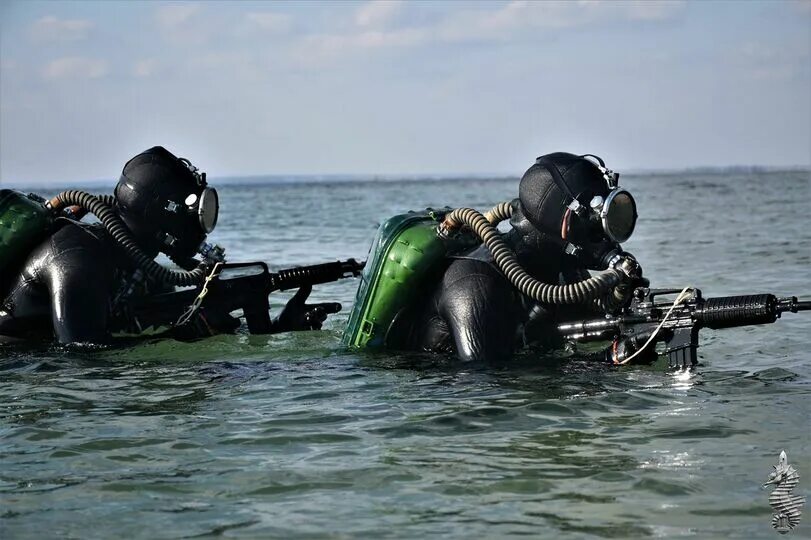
[
  {"x": 576, "y": 199},
  {"x": 166, "y": 203}
]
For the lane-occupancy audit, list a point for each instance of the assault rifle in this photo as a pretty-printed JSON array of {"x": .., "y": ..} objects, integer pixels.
[
  {"x": 233, "y": 286},
  {"x": 637, "y": 328}
]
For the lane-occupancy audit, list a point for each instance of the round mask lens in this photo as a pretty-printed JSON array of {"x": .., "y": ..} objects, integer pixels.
[
  {"x": 619, "y": 215},
  {"x": 208, "y": 209}
]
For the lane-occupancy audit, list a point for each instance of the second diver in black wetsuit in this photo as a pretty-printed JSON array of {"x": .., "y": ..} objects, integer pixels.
[
  {"x": 558, "y": 233},
  {"x": 70, "y": 286}
]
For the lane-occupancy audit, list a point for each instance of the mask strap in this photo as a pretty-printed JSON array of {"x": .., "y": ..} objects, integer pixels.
[
  {"x": 611, "y": 178},
  {"x": 597, "y": 158},
  {"x": 574, "y": 206},
  {"x": 199, "y": 176},
  {"x": 556, "y": 177}
]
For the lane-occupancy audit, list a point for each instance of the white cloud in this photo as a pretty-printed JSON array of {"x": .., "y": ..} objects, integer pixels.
[
  {"x": 75, "y": 67},
  {"x": 270, "y": 21},
  {"x": 523, "y": 15},
  {"x": 376, "y": 13},
  {"x": 50, "y": 28},
  {"x": 488, "y": 24},
  {"x": 760, "y": 60},
  {"x": 174, "y": 15},
  {"x": 647, "y": 10},
  {"x": 516, "y": 18},
  {"x": 145, "y": 67},
  {"x": 184, "y": 25},
  {"x": 317, "y": 48},
  {"x": 802, "y": 6}
]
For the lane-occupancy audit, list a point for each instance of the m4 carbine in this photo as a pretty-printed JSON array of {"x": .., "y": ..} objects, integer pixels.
[
  {"x": 233, "y": 286},
  {"x": 637, "y": 328}
]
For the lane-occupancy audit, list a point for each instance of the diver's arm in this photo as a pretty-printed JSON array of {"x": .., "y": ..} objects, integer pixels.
[
  {"x": 479, "y": 310},
  {"x": 78, "y": 282}
]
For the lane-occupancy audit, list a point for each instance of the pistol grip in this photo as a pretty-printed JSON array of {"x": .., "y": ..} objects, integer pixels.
[{"x": 257, "y": 315}]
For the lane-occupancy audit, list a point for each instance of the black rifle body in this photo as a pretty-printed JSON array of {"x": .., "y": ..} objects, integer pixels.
[
  {"x": 248, "y": 290},
  {"x": 679, "y": 332}
]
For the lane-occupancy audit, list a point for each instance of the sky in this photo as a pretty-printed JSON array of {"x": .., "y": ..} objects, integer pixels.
[{"x": 389, "y": 88}]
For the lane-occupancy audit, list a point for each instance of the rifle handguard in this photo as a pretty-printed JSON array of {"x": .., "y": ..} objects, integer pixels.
[{"x": 730, "y": 311}]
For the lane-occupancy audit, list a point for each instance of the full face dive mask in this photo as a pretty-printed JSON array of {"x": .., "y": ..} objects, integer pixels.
[
  {"x": 595, "y": 228},
  {"x": 205, "y": 206},
  {"x": 167, "y": 201}
]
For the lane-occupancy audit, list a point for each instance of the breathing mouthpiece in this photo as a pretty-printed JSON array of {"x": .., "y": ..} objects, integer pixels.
[
  {"x": 627, "y": 264},
  {"x": 212, "y": 253}
]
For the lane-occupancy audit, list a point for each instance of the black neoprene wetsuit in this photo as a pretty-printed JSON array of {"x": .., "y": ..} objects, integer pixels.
[
  {"x": 474, "y": 312},
  {"x": 68, "y": 289},
  {"x": 65, "y": 288}
]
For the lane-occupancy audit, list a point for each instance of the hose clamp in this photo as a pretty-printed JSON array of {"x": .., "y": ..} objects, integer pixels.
[{"x": 628, "y": 265}]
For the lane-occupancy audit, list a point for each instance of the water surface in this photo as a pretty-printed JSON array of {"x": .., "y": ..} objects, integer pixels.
[{"x": 289, "y": 436}]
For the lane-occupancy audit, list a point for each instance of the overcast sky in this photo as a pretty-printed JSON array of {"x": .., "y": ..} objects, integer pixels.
[{"x": 390, "y": 87}]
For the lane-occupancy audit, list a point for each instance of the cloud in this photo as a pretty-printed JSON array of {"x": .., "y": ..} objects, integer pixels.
[
  {"x": 182, "y": 24},
  {"x": 377, "y": 13},
  {"x": 523, "y": 15},
  {"x": 647, "y": 10},
  {"x": 270, "y": 21},
  {"x": 484, "y": 24},
  {"x": 175, "y": 15},
  {"x": 145, "y": 67},
  {"x": 802, "y": 6},
  {"x": 763, "y": 61},
  {"x": 320, "y": 47},
  {"x": 74, "y": 67},
  {"x": 53, "y": 29}
]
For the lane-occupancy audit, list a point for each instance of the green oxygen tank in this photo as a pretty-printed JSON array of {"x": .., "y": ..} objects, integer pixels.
[
  {"x": 405, "y": 252},
  {"x": 24, "y": 222}
]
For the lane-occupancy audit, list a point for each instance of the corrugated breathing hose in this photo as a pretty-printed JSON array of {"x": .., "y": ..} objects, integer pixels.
[
  {"x": 102, "y": 208},
  {"x": 483, "y": 226}
]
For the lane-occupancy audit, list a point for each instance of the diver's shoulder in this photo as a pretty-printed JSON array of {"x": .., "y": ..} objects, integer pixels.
[
  {"x": 472, "y": 268},
  {"x": 75, "y": 234}
]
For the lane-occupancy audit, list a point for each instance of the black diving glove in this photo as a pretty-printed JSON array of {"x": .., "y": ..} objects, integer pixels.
[
  {"x": 298, "y": 315},
  {"x": 625, "y": 347}
]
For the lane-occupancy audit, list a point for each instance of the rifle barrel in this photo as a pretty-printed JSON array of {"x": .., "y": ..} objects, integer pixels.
[
  {"x": 802, "y": 305},
  {"x": 293, "y": 278},
  {"x": 730, "y": 311}
]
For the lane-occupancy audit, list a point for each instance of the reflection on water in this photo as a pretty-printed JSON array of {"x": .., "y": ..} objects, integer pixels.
[{"x": 290, "y": 436}]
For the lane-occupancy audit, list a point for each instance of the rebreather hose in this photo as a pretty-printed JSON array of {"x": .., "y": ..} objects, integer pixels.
[
  {"x": 101, "y": 207},
  {"x": 484, "y": 226},
  {"x": 500, "y": 212}
]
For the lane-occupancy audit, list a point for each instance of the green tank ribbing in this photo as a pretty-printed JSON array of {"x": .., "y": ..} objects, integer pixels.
[
  {"x": 23, "y": 223},
  {"x": 404, "y": 252}
]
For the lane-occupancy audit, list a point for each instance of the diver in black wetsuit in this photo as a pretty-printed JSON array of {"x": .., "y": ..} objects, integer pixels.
[
  {"x": 558, "y": 232},
  {"x": 70, "y": 286}
]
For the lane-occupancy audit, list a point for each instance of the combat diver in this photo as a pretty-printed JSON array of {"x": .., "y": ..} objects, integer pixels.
[
  {"x": 485, "y": 302},
  {"x": 71, "y": 286}
]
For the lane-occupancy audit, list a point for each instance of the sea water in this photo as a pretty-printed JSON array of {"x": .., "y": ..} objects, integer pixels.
[{"x": 290, "y": 436}]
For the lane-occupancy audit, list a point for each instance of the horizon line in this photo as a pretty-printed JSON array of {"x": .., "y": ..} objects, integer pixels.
[{"x": 389, "y": 177}]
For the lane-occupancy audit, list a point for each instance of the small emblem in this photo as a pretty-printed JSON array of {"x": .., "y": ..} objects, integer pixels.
[{"x": 787, "y": 507}]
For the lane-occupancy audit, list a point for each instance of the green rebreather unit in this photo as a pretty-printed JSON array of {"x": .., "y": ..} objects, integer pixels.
[
  {"x": 24, "y": 222},
  {"x": 404, "y": 252}
]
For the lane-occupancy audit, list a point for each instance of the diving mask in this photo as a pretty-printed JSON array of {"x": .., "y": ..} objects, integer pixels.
[
  {"x": 613, "y": 217},
  {"x": 207, "y": 204}
]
